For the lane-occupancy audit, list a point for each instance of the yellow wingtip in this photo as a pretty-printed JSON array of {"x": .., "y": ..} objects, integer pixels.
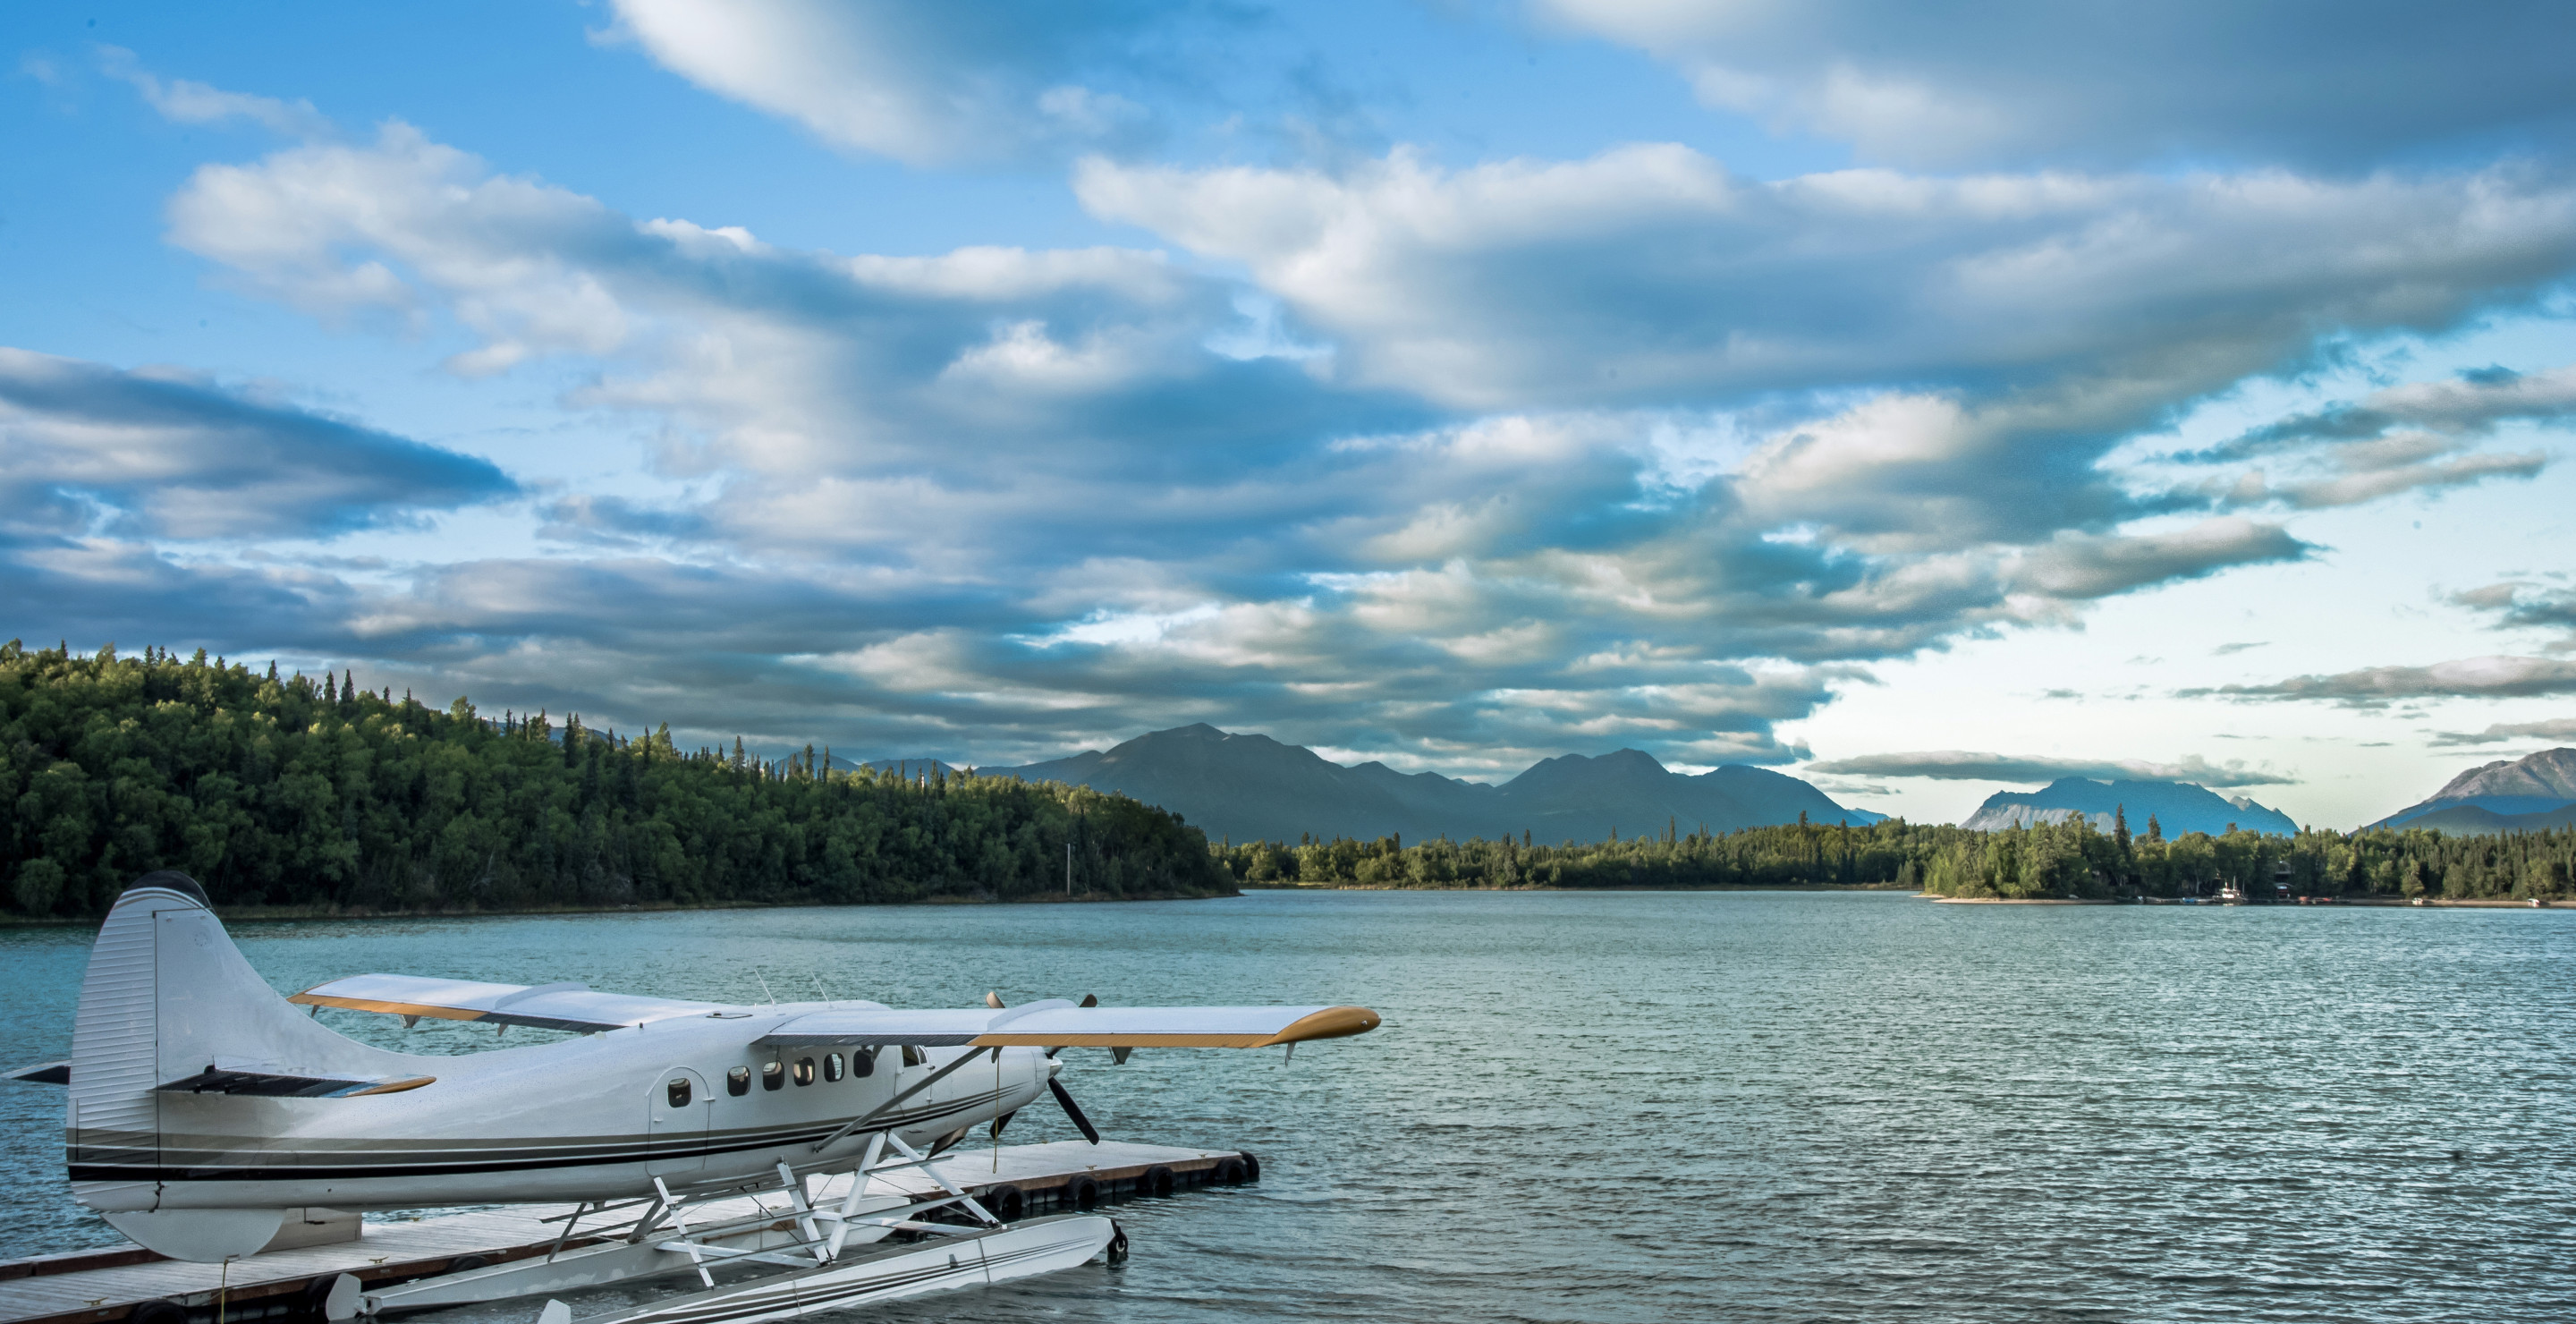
[{"x": 1330, "y": 1023}]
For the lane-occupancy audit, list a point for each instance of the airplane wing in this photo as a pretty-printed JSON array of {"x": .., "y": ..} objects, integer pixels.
[
  {"x": 1060, "y": 1024},
  {"x": 566, "y": 1006}
]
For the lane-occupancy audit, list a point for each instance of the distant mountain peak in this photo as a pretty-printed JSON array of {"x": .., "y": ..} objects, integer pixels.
[
  {"x": 2549, "y": 772},
  {"x": 2536, "y": 784},
  {"x": 2177, "y": 807},
  {"x": 1248, "y": 786}
]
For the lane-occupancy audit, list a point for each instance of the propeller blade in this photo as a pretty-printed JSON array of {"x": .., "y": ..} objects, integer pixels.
[
  {"x": 1000, "y": 1122},
  {"x": 993, "y": 1000},
  {"x": 1074, "y": 1111}
]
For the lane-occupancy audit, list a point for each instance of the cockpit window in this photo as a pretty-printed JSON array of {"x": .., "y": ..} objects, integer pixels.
[{"x": 913, "y": 1057}]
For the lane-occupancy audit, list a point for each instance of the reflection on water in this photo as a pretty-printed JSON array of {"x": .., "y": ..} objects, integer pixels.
[{"x": 1656, "y": 1106}]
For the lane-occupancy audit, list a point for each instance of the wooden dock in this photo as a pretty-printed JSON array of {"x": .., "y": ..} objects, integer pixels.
[{"x": 91, "y": 1287}]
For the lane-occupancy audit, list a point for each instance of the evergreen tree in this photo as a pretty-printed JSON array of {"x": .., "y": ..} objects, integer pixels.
[{"x": 269, "y": 795}]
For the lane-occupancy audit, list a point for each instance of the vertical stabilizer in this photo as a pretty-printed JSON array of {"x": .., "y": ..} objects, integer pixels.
[{"x": 167, "y": 997}]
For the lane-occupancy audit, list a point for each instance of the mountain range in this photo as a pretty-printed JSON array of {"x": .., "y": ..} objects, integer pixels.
[
  {"x": 2522, "y": 795},
  {"x": 2178, "y": 807},
  {"x": 1248, "y": 787}
]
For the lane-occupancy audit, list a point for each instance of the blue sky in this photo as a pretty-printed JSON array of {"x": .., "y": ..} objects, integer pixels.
[{"x": 1921, "y": 399}]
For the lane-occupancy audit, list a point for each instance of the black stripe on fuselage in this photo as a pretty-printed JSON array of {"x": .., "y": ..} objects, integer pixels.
[{"x": 522, "y": 1162}]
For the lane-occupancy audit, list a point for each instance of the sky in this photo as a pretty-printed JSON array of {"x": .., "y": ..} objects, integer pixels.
[{"x": 1922, "y": 399}]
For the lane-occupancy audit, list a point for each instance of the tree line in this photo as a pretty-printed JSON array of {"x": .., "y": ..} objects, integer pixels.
[
  {"x": 2071, "y": 859},
  {"x": 319, "y": 795}
]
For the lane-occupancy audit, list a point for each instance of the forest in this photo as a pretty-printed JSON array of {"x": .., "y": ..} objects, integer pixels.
[
  {"x": 2069, "y": 860},
  {"x": 311, "y": 795}
]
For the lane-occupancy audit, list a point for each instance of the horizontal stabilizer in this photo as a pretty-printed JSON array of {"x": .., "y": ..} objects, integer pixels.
[
  {"x": 1059, "y": 1024},
  {"x": 43, "y": 1073},
  {"x": 219, "y": 1079},
  {"x": 545, "y": 1006}
]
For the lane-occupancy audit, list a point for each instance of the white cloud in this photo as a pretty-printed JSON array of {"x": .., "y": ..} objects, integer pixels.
[
  {"x": 923, "y": 84},
  {"x": 1965, "y": 765},
  {"x": 184, "y": 102},
  {"x": 2372, "y": 687},
  {"x": 1649, "y": 274}
]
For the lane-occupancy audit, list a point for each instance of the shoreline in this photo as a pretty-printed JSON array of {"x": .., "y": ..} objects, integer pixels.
[
  {"x": 2012, "y": 900},
  {"x": 305, "y": 914},
  {"x": 2373, "y": 902},
  {"x": 1531, "y": 887}
]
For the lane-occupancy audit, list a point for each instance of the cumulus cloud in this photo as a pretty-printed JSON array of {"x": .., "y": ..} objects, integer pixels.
[
  {"x": 1962, "y": 765},
  {"x": 2556, "y": 728},
  {"x": 926, "y": 84},
  {"x": 88, "y": 449},
  {"x": 2372, "y": 687},
  {"x": 1949, "y": 85}
]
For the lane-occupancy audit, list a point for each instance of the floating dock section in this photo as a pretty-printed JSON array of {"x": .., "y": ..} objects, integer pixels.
[{"x": 288, "y": 1285}]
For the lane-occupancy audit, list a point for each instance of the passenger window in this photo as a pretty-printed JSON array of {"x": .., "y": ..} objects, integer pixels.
[
  {"x": 831, "y": 1066},
  {"x": 863, "y": 1062},
  {"x": 912, "y": 1057},
  {"x": 738, "y": 1081},
  {"x": 772, "y": 1075},
  {"x": 804, "y": 1071},
  {"x": 679, "y": 1091}
]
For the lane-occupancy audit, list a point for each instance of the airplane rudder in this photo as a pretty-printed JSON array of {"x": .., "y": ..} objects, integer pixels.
[{"x": 112, "y": 1124}]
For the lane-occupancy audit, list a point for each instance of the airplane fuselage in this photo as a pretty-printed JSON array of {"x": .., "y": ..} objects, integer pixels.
[{"x": 690, "y": 1101}]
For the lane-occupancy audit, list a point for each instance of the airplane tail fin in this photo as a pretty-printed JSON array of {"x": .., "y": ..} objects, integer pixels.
[{"x": 169, "y": 999}]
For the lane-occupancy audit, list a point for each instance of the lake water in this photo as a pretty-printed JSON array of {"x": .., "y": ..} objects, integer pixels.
[{"x": 1650, "y": 1106}]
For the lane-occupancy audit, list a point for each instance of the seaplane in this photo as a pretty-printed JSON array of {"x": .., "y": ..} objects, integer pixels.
[{"x": 204, "y": 1107}]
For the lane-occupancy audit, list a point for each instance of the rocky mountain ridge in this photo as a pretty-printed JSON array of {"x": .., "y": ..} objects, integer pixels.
[
  {"x": 2177, "y": 807},
  {"x": 2517, "y": 795},
  {"x": 1246, "y": 786}
]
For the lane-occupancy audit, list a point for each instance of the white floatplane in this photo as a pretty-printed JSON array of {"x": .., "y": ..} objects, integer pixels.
[{"x": 203, "y": 1107}]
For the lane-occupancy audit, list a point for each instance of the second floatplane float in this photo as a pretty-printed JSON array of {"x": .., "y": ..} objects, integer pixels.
[{"x": 749, "y": 1146}]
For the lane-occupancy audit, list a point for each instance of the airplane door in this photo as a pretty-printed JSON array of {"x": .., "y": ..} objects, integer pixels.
[{"x": 679, "y": 1112}]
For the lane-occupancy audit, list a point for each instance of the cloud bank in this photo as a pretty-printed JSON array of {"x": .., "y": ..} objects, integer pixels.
[
  {"x": 1962, "y": 765},
  {"x": 2370, "y": 687},
  {"x": 2556, "y": 728},
  {"x": 88, "y": 450},
  {"x": 1966, "y": 85},
  {"x": 1475, "y": 462}
]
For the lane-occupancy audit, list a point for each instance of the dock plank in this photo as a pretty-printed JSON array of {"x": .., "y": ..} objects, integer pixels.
[{"x": 102, "y": 1286}]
